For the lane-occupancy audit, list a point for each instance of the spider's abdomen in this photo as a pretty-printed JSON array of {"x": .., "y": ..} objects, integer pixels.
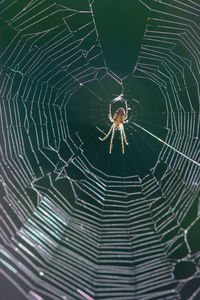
[{"x": 119, "y": 117}]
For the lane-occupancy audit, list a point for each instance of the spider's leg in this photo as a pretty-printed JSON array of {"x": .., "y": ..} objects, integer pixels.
[
  {"x": 111, "y": 140},
  {"x": 105, "y": 137},
  {"x": 126, "y": 110},
  {"x": 124, "y": 135},
  {"x": 122, "y": 139},
  {"x": 110, "y": 114}
]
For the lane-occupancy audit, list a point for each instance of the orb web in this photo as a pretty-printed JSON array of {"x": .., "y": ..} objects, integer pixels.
[{"x": 77, "y": 222}]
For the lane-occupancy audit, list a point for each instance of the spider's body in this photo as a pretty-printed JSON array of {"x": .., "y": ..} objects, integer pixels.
[{"x": 120, "y": 116}]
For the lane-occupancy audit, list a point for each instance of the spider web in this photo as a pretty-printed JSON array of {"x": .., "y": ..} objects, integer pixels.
[{"x": 77, "y": 222}]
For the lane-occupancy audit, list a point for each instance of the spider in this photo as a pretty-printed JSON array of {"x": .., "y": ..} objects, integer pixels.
[{"x": 120, "y": 116}]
